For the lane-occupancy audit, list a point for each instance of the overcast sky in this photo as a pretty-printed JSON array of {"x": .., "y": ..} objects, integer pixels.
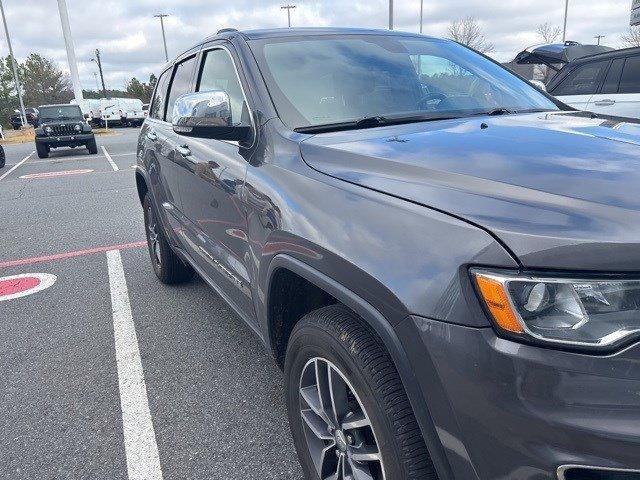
[{"x": 130, "y": 39}]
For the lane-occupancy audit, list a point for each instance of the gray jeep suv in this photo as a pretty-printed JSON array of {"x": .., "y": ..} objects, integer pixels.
[{"x": 443, "y": 259}]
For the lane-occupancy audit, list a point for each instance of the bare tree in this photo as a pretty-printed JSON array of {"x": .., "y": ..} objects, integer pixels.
[
  {"x": 468, "y": 32},
  {"x": 631, "y": 38},
  {"x": 548, "y": 32}
]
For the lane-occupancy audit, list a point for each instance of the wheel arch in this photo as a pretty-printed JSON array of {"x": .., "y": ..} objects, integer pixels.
[
  {"x": 141, "y": 184},
  {"x": 385, "y": 333}
]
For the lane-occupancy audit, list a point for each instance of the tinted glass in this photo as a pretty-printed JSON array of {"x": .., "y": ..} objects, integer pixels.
[
  {"x": 218, "y": 73},
  {"x": 612, "y": 80},
  {"x": 336, "y": 78},
  {"x": 630, "y": 81},
  {"x": 583, "y": 80},
  {"x": 159, "y": 97},
  {"x": 180, "y": 84},
  {"x": 66, "y": 112}
]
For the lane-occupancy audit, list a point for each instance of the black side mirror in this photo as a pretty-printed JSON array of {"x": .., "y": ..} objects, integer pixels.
[{"x": 207, "y": 115}]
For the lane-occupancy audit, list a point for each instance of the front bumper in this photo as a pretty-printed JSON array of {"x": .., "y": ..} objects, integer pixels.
[
  {"x": 65, "y": 140},
  {"x": 504, "y": 410}
]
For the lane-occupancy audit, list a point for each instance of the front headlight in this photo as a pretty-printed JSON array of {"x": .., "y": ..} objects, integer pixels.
[
  {"x": 48, "y": 130},
  {"x": 77, "y": 128},
  {"x": 588, "y": 313}
]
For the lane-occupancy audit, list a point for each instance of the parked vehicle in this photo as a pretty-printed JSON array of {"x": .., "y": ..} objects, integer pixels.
[
  {"x": 131, "y": 112},
  {"x": 606, "y": 84},
  {"x": 2, "y": 157},
  {"x": 30, "y": 113},
  {"x": 442, "y": 258},
  {"x": 63, "y": 126}
]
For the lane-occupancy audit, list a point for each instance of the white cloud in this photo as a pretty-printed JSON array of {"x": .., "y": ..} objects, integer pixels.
[{"x": 131, "y": 43}]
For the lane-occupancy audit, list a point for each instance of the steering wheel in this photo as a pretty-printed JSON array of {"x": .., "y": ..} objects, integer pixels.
[{"x": 432, "y": 100}]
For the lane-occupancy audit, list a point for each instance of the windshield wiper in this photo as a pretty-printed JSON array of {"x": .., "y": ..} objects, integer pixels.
[
  {"x": 371, "y": 122},
  {"x": 499, "y": 111}
]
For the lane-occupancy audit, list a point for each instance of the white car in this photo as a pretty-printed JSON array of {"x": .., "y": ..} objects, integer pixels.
[{"x": 606, "y": 84}]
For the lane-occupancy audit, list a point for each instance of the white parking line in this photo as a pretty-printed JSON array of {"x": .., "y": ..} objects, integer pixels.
[
  {"x": 141, "y": 449},
  {"x": 16, "y": 166},
  {"x": 109, "y": 159}
]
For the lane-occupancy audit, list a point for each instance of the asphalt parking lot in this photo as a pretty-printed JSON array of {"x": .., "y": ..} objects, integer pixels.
[{"x": 78, "y": 358}]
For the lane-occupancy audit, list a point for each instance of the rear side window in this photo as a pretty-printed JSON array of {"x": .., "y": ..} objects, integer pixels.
[
  {"x": 180, "y": 84},
  {"x": 630, "y": 81},
  {"x": 612, "y": 80},
  {"x": 584, "y": 80},
  {"x": 159, "y": 97}
]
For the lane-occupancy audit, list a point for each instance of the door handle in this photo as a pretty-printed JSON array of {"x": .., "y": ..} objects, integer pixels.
[
  {"x": 605, "y": 103},
  {"x": 183, "y": 150},
  {"x": 151, "y": 135}
]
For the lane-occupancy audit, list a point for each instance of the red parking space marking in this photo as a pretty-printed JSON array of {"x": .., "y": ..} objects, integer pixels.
[
  {"x": 61, "y": 173},
  {"x": 25, "y": 284},
  {"x": 76, "y": 253}
]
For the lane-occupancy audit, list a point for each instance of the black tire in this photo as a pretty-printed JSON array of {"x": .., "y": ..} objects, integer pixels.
[
  {"x": 43, "y": 150},
  {"x": 337, "y": 335},
  {"x": 168, "y": 267},
  {"x": 2, "y": 157},
  {"x": 16, "y": 127},
  {"x": 92, "y": 147}
]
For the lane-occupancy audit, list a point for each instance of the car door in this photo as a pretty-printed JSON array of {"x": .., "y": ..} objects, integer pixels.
[
  {"x": 579, "y": 85},
  {"x": 620, "y": 94},
  {"x": 157, "y": 150},
  {"x": 211, "y": 185}
]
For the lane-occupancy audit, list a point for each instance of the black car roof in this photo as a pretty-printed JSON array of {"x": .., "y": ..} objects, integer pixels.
[{"x": 606, "y": 55}]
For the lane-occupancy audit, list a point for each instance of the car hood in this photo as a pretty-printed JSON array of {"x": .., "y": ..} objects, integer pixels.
[{"x": 558, "y": 190}]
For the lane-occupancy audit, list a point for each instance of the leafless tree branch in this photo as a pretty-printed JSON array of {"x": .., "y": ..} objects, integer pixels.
[{"x": 468, "y": 32}]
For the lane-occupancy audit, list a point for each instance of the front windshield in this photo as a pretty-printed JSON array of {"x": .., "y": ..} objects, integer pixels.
[
  {"x": 63, "y": 112},
  {"x": 321, "y": 80}
]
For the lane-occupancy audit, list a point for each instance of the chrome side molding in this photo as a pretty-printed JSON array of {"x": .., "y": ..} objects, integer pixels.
[{"x": 562, "y": 470}]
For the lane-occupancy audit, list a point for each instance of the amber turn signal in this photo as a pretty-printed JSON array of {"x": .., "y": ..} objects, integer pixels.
[{"x": 497, "y": 301}]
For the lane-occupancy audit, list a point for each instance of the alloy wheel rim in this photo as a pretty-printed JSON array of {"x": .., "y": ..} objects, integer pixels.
[
  {"x": 154, "y": 243},
  {"x": 340, "y": 436}
]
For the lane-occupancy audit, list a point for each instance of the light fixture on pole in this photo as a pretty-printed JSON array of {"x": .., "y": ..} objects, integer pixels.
[
  {"x": 16, "y": 79},
  {"x": 599, "y": 37},
  {"x": 162, "y": 16},
  {"x": 288, "y": 8}
]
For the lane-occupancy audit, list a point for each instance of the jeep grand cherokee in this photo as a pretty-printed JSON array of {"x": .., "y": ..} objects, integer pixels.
[{"x": 443, "y": 259}]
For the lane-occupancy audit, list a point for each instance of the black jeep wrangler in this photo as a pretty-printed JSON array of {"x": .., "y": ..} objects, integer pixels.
[{"x": 63, "y": 126}]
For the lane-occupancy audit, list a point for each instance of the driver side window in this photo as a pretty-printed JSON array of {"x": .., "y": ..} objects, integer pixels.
[{"x": 218, "y": 73}]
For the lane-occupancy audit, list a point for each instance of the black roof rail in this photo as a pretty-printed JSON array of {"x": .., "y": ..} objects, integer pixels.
[{"x": 223, "y": 30}]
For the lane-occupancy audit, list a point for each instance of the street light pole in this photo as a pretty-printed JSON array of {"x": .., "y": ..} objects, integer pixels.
[
  {"x": 599, "y": 37},
  {"x": 161, "y": 16},
  {"x": 71, "y": 54},
  {"x": 421, "y": 10},
  {"x": 390, "y": 14},
  {"x": 23, "y": 115},
  {"x": 288, "y": 9},
  {"x": 566, "y": 13}
]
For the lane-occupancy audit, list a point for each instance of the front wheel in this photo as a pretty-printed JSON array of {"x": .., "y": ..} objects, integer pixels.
[
  {"x": 92, "y": 146},
  {"x": 43, "y": 150},
  {"x": 349, "y": 414},
  {"x": 168, "y": 267}
]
